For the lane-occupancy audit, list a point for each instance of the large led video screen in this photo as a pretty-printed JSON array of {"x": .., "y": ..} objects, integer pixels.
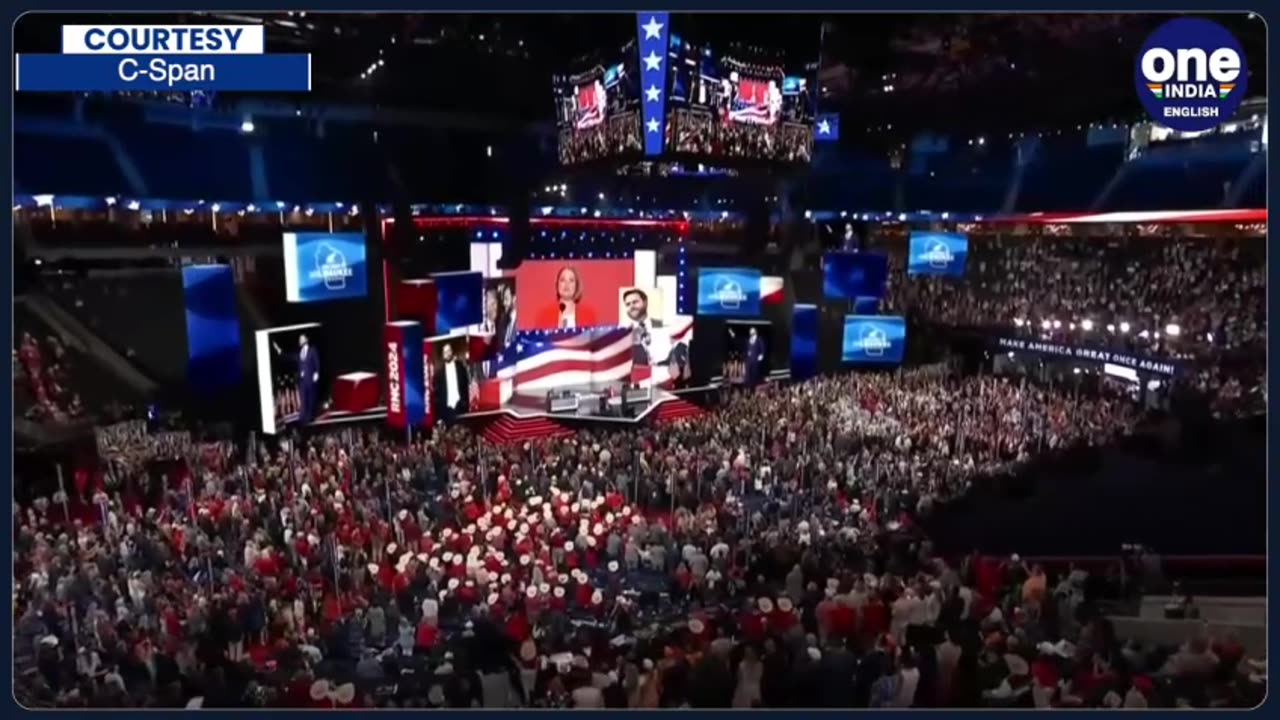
[
  {"x": 498, "y": 311},
  {"x": 937, "y": 253},
  {"x": 213, "y": 327},
  {"x": 459, "y": 300},
  {"x": 738, "y": 104},
  {"x": 292, "y": 376},
  {"x": 876, "y": 339},
  {"x": 848, "y": 276},
  {"x": 598, "y": 109},
  {"x": 570, "y": 293},
  {"x": 324, "y": 266},
  {"x": 730, "y": 292}
]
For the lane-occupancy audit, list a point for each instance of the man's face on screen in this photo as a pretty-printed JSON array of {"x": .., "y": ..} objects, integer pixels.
[
  {"x": 447, "y": 353},
  {"x": 302, "y": 340},
  {"x": 636, "y": 306},
  {"x": 491, "y": 305},
  {"x": 508, "y": 297}
]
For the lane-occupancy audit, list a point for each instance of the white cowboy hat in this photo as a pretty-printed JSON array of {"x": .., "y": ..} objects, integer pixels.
[
  {"x": 454, "y": 583},
  {"x": 562, "y": 578},
  {"x": 434, "y": 563},
  {"x": 525, "y": 559},
  {"x": 626, "y": 510},
  {"x": 765, "y": 605},
  {"x": 575, "y": 507},
  {"x": 696, "y": 626},
  {"x": 534, "y": 501},
  {"x": 568, "y": 546},
  {"x": 448, "y": 557},
  {"x": 613, "y": 566},
  {"x": 544, "y": 588},
  {"x": 505, "y": 579},
  {"x": 558, "y": 591}
]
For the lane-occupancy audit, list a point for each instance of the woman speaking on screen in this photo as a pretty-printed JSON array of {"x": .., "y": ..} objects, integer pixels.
[{"x": 568, "y": 310}]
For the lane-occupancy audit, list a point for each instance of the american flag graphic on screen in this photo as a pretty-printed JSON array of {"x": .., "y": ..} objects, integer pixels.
[
  {"x": 757, "y": 102},
  {"x": 586, "y": 358},
  {"x": 591, "y": 105}
]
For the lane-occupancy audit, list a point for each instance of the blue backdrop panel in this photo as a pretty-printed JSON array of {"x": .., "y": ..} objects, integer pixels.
[
  {"x": 804, "y": 342},
  {"x": 458, "y": 299},
  {"x": 213, "y": 326},
  {"x": 846, "y": 276}
]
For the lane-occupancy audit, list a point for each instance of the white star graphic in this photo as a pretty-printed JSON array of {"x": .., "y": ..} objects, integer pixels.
[
  {"x": 652, "y": 28},
  {"x": 652, "y": 125},
  {"x": 824, "y": 128},
  {"x": 652, "y": 94},
  {"x": 652, "y": 61}
]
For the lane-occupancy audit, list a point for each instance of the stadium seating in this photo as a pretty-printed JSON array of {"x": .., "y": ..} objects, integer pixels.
[{"x": 1065, "y": 174}]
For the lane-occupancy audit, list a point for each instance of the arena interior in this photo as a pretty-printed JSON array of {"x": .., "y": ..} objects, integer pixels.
[{"x": 643, "y": 361}]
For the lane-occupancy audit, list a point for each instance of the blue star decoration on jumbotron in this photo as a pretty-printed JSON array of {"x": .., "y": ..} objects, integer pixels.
[
  {"x": 652, "y": 28},
  {"x": 827, "y": 127},
  {"x": 652, "y": 32}
]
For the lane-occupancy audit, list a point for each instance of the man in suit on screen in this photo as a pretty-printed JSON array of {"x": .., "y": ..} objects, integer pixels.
[
  {"x": 308, "y": 378},
  {"x": 755, "y": 356},
  {"x": 451, "y": 389}
]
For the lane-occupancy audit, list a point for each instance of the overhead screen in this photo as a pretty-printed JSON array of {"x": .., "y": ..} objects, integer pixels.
[
  {"x": 875, "y": 339},
  {"x": 598, "y": 111},
  {"x": 324, "y": 266},
  {"x": 738, "y": 104},
  {"x": 937, "y": 253},
  {"x": 849, "y": 276},
  {"x": 729, "y": 292}
]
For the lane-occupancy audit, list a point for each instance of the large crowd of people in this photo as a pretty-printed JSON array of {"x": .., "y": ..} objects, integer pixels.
[
  {"x": 764, "y": 555},
  {"x": 1199, "y": 302},
  {"x": 43, "y": 382}
]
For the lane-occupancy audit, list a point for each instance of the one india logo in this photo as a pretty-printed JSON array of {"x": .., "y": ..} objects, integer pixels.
[{"x": 1191, "y": 75}]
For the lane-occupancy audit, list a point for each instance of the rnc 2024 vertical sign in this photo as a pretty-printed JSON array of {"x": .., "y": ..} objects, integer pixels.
[{"x": 107, "y": 58}]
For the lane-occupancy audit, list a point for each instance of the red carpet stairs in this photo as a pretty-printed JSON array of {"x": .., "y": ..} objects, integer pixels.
[
  {"x": 510, "y": 429},
  {"x": 676, "y": 409}
]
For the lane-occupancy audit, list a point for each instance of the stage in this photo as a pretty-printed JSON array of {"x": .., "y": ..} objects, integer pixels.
[{"x": 527, "y": 416}]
